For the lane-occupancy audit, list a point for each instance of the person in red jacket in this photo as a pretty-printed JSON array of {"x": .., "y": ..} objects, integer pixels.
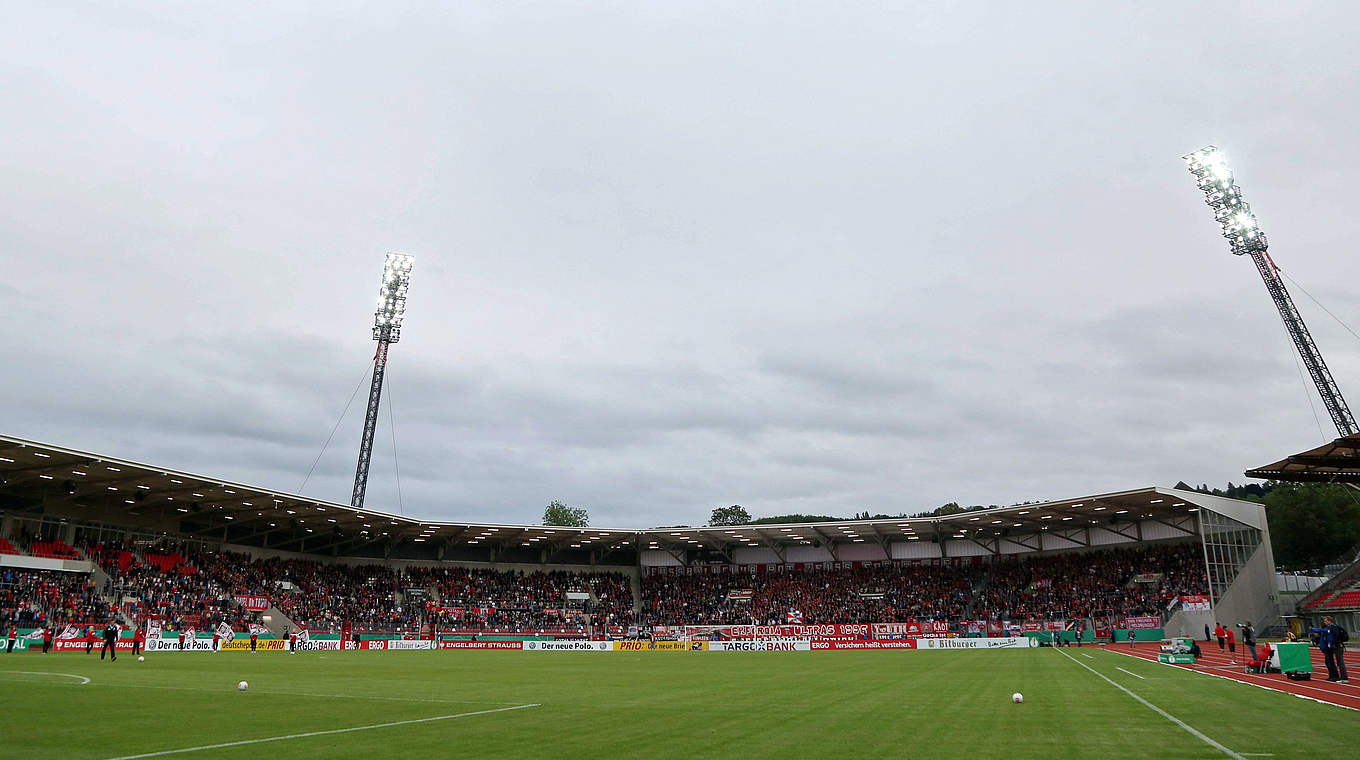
[
  {"x": 47, "y": 639},
  {"x": 1232, "y": 644},
  {"x": 138, "y": 639},
  {"x": 13, "y": 637},
  {"x": 1219, "y": 634}
]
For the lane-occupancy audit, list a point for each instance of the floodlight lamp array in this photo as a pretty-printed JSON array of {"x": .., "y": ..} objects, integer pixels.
[
  {"x": 396, "y": 281},
  {"x": 1234, "y": 216}
]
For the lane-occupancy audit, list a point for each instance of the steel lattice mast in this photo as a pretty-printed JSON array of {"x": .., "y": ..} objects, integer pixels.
[
  {"x": 1244, "y": 234},
  {"x": 386, "y": 330}
]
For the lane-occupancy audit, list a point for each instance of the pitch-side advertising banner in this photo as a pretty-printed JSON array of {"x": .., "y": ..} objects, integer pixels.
[
  {"x": 394, "y": 644},
  {"x": 243, "y": 645},
  {"x": 660, "y": 646},
  {"x": 78, "y": 645},
  {"x": 1016, "y": 642},
  {"x": 173, "y": 645},
  {"x": 818, "y": 646},
  {"x": 1142, "y": 623},
  {"x": 568, "y": 646},
  {"x": 481, "y": 645},
  {"x": 759, "y": 645}
]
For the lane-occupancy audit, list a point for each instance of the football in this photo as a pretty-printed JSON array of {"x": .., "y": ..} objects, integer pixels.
[
  {"x": 242, "y": 686},
  {"x": 141, "y": 659},
  {"x": 1017, "y": 697}
]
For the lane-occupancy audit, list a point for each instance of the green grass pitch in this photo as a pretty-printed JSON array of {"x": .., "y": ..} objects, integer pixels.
[{"x": 913, "y": 704}]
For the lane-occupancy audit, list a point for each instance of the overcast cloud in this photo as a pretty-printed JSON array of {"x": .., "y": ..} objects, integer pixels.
[{"x": 671, "y": 256}]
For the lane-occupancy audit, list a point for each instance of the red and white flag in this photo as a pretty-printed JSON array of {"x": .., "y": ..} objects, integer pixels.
[
  {"x": 302, "y": 636},
  {"x": 258, "y": 630},
  {"x": 69, "y": 632},
  {"x": 225, "y": 631},
  {"x": 795, "y": 616},
  {"x": 153, "y": 629},
  {"x": 35, "y": 635}
]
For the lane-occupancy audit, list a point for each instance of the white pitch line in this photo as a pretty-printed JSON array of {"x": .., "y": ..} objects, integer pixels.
[
  {"x": 1130, "y": 672},
  {"x": 1087, "y": 656},
  {"x": 1188, "y": 728},
  {"x": 274, "y": 692},
  {"x": 83, "y": 679},
  {"x": 321, "y": 733}
]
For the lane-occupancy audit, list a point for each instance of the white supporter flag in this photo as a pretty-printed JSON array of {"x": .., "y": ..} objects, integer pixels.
[
  {"x": 153, "y": 629},
  {"x": 303, "y": 636},
  {"x": 35, "y": 635},
  {"x": 258, "y": 630},
  {"x": 225, "y": 632},
  {"x": 69, "y": 632}
]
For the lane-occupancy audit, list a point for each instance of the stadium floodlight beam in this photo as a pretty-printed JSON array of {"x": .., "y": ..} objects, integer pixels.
[
  {"x": 1243, "y": 231},
  {"x": 396, "y": 280}
]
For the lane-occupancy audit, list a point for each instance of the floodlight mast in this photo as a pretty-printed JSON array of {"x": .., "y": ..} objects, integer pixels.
[
  {"x": 396, "y": 280},
  {"x": 1244, "y": 235}
]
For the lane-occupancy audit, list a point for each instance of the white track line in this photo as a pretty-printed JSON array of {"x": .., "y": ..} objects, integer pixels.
[
  {"x": 321, "y": 733},
  {"x": 1189, "y": 728},
  {"x": 83, "y": 679},
  {"x": 1087, "y": 656},
  {"x": 1130, "y": 672},
  {"x": 1205, "y": 672}
]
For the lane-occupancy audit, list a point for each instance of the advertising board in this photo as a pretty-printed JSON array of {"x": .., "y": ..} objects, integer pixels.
[{"x": 1014, "y": 642}]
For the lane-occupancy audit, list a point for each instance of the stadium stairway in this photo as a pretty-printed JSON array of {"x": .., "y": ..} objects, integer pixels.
[
  {"x": 635, "y": 582},
  {"x": 978, "y": 590},
  {"x": 278, "y": 621},
  {"x": 101, "y": 580}
]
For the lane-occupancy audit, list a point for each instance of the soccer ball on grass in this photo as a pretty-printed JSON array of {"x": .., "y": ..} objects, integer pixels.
[
  {"x": 1017, "y": 697},
  {"x": 141, "y": 659},
  {"x": 242, "y": 686}
]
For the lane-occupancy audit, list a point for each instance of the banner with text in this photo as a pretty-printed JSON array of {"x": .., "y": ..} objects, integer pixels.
[
  {"x": 568, "y": 646},
  {"x": 1196, "y": 602},
  {"x": 1014, "y": 642},
  {"x": 252, "y": 603},
  {"x": 660, "y": 646}
]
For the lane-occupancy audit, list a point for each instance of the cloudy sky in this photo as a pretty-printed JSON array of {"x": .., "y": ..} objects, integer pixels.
[{"x": 671, "y": 256}]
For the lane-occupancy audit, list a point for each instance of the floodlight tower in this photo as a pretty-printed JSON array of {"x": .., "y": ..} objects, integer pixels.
[
  {"x": 396, "y": 280},
  {"x": 1244, "y": 235}
]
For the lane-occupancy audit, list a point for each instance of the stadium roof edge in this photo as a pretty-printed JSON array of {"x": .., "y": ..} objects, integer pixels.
[{"x": 201, "y": 504}]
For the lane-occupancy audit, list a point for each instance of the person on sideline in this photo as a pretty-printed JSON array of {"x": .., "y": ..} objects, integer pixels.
[
  {"x": 1332, "y": 640},
  {"x": 138, "y": 639},
  {"x": 47, "y": 639},
  {"x": 13, "y": 638},
  {"x": 1248, "y": 638},
  {"x": 1206, "y": 632},
  {"x": 1220, "y": 634},
  {"x": 1232, "y": 644}
]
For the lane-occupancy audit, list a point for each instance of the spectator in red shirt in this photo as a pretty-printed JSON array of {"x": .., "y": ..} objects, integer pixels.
[
  {"x": 1232, "y": 644},
  {"x": 1219, "y": 633}
]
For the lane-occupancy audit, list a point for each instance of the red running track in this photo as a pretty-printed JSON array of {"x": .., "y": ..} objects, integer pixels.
[{"x": 1213, "y": 663}]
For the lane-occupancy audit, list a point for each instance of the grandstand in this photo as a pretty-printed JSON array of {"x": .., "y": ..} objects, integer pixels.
[
  {"x": 198, "y": 551},
  {"x": 1334, "y": 462}
]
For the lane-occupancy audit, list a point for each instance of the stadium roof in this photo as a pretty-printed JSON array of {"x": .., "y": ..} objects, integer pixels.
[
  {"x": 1335, "y": 462},
  {"x": 43, "y": 479}
]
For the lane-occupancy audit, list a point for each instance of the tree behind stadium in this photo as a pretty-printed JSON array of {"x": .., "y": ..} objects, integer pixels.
[{"x": 557, "y": 513}]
